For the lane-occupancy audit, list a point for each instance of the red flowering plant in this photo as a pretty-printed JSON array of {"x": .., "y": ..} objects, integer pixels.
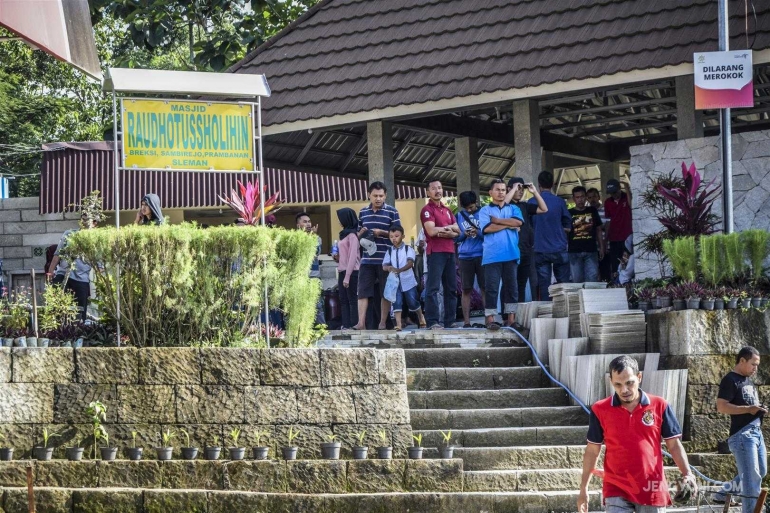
[
  {"x": 247, "y": 204},
  {"x": 692, "y": 202}
]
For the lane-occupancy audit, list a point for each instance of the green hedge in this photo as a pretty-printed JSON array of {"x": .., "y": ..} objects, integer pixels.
[{"x": 181, "y": 285}]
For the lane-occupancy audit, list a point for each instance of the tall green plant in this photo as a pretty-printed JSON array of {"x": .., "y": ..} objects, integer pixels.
[
  {"x": 734, "y": 263},
  {"x": 755, "y": 244},
  {"x": 683, "y": 255},
  {"x": 712, "y": 260}
]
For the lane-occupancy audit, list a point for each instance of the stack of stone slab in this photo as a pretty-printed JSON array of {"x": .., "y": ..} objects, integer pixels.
[
  {"x": 611, "y": 327},
  {"x": 533, "y": 310},
  {"x": 559, "y": 351},
  {"x": 566, "y": 302},
  {"x": 543, "y": 330}
]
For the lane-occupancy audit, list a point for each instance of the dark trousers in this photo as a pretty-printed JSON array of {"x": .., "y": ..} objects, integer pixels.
[
  {"x": 348, "y": 299},
  {"x": 80, "y": 289},
  {"x": 605, "y": 269},
  {"x": 441, "y": 270},
  {"x": 547, "y": 263},
  {"x": 616, "y": 253},
  {"x": 493, "y": 274},
  {"x": 524, "y": 274}
]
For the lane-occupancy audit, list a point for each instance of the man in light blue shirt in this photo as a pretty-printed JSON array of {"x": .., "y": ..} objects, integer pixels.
[{"x": 500, "y": 222}]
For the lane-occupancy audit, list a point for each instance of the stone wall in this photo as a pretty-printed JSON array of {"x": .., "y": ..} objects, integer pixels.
[
  {"x": 25, "y": 234},
  {"x": 207, "y": 392},
  {"x": 751, "y": 184}
]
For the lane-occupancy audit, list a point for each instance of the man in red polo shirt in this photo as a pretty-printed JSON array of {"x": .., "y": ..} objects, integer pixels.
[
  {"x": 631, "y": 424},
  {"x": 441, "y": 230},
  {"x": 617, "y": 209}
]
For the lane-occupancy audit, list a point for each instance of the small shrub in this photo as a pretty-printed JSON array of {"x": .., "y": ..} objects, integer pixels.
[
  {"x": 755, "y": 244},
  {"x": 683, "y": 255}
]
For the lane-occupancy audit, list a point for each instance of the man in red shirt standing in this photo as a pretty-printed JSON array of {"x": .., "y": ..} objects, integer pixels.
[
  {"x": 631, "y": 424},
  {"x": 441, "y": 230},
  {"x": 617, "y": 209}
]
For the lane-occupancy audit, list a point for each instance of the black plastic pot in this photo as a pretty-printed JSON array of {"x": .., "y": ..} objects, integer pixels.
[
  {"x": 707, "y": 304},
  {"x": 664, "y": 302},
  {"x": 385, "y": 453},
  {"x": 644, "y": 306},
  {"x": 260, "y": 453},
  {"x": 164, "y": 453},
  {"x": 763, "y": 302},
  {"x": 415, "y": 453},
  {"x": 108, "y": 453},
  {"x": 74, "y": 453},
  {"x": 731, "y": 304},
  {"x": 134, "y": 453},
  {"x": 331, "y": 450},
  {"x": 6, "y": 454},
  {"x": 289, "y": 453},
  {"x": 43, "y": 453},
  {"x": 745, "y": 303},
  {"x": 360, "y": 453},
  {"x": 719, "y": 304},
  {"x": 679, "y": 304},
  {"x": 189, "y": 453},
  {"x": 693, "y": 303},
  {"x": 237, "y": 453},
  {"x": 756, "y": 302},
  {"x": 211, "y": 453},
  {"x": 447, "y": 453}
]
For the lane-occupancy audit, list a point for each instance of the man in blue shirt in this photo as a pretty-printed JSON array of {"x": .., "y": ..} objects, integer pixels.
[
  {"x": 500, "y": 222},
  {"x": 471, "y": 242},
  {"x": 551, "y": 229}
]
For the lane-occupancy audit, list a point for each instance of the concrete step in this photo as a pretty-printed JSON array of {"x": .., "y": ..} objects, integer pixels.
[
  {"x": 478, "y": 378},
  {"x": 499, "y": 417},
  {"x": 520, "y": 458},
  {"x": 459, "y": 357},
  {"x": 474, "y": 399},
  {"x": 508, "y": 437}
]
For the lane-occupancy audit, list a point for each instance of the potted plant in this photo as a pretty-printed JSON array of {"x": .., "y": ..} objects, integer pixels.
[
  {"x": 663, "y": 297},
  {"x": 134, "y": 453},
  {"x": 108, "y": 453},
  {"x": 290, "y": 451},
  {"x": 6, "y": 453},
  {"x": 166, "y": 449},
  {"x": 360, "y": 451},
  {"x": 415, "y": 452},
  {"x": 212, "y": 452},
  {"x": 236, "y": 453},
  {"x": 719, "y": 298},
  {"x": 98, "y": 413},
  {"x": 188, "y": 452},
  {"x": 75, "y": 453},
  {"x": 45, "y": 453},
  {"x": 731, "y": 299},
  {"x": 707, "y": 303},
  {"x": 447, "y": 451},
  {"x": 385, "y": 451},
  {"x": 677, "y": 298},
  {"x": 756, "y": 298},
  {"x": 260, "y": 451},
  {"x": 331, "y": 450},
  {"x": 745, "y": 300},
  {"x": 644, "y": 295},
  {"x": 692, "y": 292}
]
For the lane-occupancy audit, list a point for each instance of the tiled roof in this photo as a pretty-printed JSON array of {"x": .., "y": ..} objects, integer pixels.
[{"x": 353, "y": 56}]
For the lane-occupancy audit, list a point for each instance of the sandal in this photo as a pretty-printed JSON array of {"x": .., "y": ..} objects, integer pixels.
[
  {"x": 493, "y": 326},
  {"x": 467, "y": 326},
  {"x": 397, "y": 328}
]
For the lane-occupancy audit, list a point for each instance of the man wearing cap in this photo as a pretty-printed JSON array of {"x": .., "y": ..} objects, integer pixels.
[
  {"x": 617, "y": 209},
  {"x": 526, "y": 270}
]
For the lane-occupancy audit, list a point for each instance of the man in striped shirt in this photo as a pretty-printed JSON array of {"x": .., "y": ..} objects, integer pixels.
[{"x": 374, "y": 220}]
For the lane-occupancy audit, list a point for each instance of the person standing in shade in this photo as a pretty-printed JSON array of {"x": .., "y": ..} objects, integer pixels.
[
  {"x": 441, "y": 230},
  {"x": 500, "y": 223},
  {"x": 593, "y": 197},
  {"x": 525, "y": 272},
  {"x": 551, "y": 229},
  {"x": 349, "y": 262},
  {"x": 738, "y": 398},
  {"x": 585, "y": 237},
  {"x": 150, "y": 212},
  {"x": 471, "y": 242},
  {"x": 305, "y": 224},
  {"x": 374, "y": 221},
  {"x": 617, "y": 208},
  {"x": 631, "y": 424}
]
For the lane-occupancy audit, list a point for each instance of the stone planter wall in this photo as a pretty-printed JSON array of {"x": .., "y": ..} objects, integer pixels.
[
  {"x": 706, "y": 342},
  {"x": 207, "y": 392}
]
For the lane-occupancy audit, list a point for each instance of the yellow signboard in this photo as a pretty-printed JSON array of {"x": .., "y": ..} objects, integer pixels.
[{"x": 165, "y": 134}]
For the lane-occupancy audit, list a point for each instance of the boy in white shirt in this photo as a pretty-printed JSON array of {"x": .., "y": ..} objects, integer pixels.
[{"x": 399, "y": 259}]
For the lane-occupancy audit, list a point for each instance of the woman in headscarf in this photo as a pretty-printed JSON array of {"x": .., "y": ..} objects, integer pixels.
[
  {"x": 149, "y": 212},
  {"x": 349, "y": 262}
]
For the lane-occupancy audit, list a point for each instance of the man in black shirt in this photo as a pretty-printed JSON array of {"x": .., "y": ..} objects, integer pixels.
[
  {"x": 526, "y": 234},
  {"x": 738, "y": 398},
  {"x": 585, "y": 239}
]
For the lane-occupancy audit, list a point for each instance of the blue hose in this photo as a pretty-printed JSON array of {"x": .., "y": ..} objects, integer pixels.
[{"x": 585, "y": 408}]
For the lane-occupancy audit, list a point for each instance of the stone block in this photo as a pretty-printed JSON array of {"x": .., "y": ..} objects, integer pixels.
[
  {"x": 12, "y": 216},
  {"x": 182, "y": 501},
  {"x": 24, "y": 228},
  {"x": 228, "y": 502},
  {"x": 10, "y": 240},
  {"x": 317, "y": 476},
  {"x": 523, "y": 503},
  {"x": 169, "y": 366},
  {"x": 130, "y": 474},
  {"x": 376, "y": 476},
  {"x": 324, "y": 405},
  {"x": 66, "y": 474},
  {"x": 40, "y": 239},
  {"x": 17, "y": 252},
  {"x": 43, "y": 365},
  {"x": 701, "y": 399},
  {"x": 348, "y": 367},
  {"x": 710, "y": 369},
  {"x": 202, "y": 435},
  {"x": 201, "y": 404},
  {"x": 148, "y": 436},
  {"x": 230, "y": 366},
  {"x": 309, "y": 439},
  {"x": 271, "y": 405},
  {"x": 5, "y": 364},
  {"x": 13, "y": 264},
  {"x": 262, "y": 476},
  {"x": 26, "y": 203},
  {"x": 381, "y": 404},
  {"x": 33, "y": 215},
  {"x": 434, "y": 475},
  {"x": 194, "y": 475},
  {"x": 706, "y": 431},
  {"x": 401, "y": 436},
  {"x": 14, "y": 473},
  {"x": 61, "y": 226},
  {"x": 71, "y": 401},
  {"x": 47, "y": 500},
  {"x": 300, "y": 367},
  {"x": 391, "y": 366},
  {"x": 108, "y": 365},
  {"x": 146, "y": 404},
  {"x": 26, "y": 403},
  {"x": 107, "y": 501}
]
